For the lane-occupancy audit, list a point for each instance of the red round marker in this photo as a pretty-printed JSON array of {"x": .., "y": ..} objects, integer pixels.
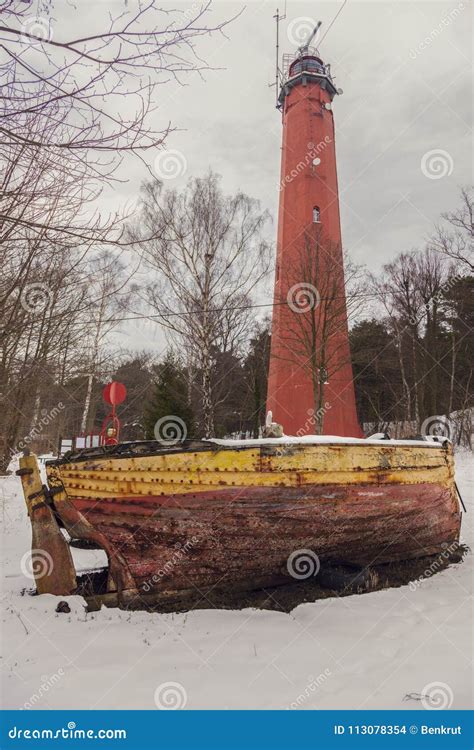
[{"x": 114, "y": 393}]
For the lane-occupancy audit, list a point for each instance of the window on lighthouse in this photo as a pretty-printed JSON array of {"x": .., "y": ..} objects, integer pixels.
[{"x": 316, "y": 215}]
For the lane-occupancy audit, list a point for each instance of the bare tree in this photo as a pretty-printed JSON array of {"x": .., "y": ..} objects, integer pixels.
[
  {"x": 86, "y": 79},
  {"x": 107, "y": 286},
  {"x": 454, "y": 238},
  {"x": 399, "y": 293},
  {"x": 63, "y": 127},
  {"x": 314, "y": 328},
  {"x": 39, "y": 314},
  {"x": 209, "y": 255},
  {"x": 414, "y": 290},
  {"x": 74, "y": 106}
]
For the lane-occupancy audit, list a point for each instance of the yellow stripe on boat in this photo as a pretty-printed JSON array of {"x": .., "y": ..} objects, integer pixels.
[{"x": 278, "y": 466}]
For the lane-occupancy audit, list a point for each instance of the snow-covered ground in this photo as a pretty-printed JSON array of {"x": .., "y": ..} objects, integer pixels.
[{"x": 388, "y": 649}]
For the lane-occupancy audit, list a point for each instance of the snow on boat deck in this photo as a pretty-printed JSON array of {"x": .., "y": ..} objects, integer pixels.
[{"x": 325, "y": 440}]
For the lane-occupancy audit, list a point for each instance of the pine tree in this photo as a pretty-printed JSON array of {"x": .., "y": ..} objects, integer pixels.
[
  {"x": 169, "y": 397},
  {"x": 256, "y": 378}
]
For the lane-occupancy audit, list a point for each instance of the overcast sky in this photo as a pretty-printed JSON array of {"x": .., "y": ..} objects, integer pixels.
[
  {"x": 399, "y": 102},
  {"x": 405, "y": 70}
]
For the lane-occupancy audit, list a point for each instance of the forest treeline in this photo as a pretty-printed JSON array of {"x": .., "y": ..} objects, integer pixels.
[
  {"x": 192, "y": 261},
  {"x": 411, "y": 346}
]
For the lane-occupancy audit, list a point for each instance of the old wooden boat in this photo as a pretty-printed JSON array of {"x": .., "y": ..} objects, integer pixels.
[{"x": 228, "y": 514}]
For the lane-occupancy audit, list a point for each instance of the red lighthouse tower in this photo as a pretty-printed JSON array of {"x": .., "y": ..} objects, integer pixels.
[{"x": 310, "y": 387}]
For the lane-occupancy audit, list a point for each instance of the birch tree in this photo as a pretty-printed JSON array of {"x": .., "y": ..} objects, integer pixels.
[
  {"x": 209, "y": 255},
  {"x": 107, "y": 287}
]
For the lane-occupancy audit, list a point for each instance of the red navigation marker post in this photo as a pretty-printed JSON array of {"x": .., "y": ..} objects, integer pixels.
[{"x": 114, "y": 393}]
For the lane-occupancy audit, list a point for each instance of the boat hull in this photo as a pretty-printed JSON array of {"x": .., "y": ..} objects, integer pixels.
[
  {"x": 238, "y": 536},
  {"x": 222, "y": 517}
]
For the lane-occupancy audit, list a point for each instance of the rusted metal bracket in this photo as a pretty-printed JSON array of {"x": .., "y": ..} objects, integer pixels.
[
  {"x": 47, "y": 492},
  {"x": 78, "y": 526}
]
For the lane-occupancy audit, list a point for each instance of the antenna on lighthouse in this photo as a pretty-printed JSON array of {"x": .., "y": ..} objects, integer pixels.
[
  {"x": 278, "y": 75},
  {"x": 305, "y": 47}
]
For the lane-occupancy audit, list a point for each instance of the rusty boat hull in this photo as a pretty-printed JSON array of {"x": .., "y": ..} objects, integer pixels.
[{"x": 209, "y": 514}]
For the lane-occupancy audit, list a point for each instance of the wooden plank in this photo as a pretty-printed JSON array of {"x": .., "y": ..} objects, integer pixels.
[
  {"x": 298, "y": 465},
  {"x": 101, "y": 484},
  {"x": 249, "y": 535},
  {"x": 51, "y": 560},
  {"x": 295, "y": 458}
]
